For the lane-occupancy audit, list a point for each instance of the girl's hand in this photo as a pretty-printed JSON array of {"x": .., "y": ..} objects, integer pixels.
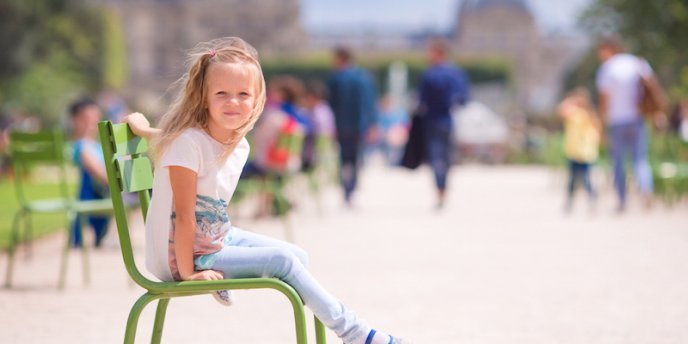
[
  {"x": 205, "y": 275},
  {"x": 137, "y": 122},
  {"x": 140, "y": 126}
]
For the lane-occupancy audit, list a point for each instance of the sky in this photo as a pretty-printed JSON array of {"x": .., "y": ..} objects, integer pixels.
[{"x": 412, "y": 15}]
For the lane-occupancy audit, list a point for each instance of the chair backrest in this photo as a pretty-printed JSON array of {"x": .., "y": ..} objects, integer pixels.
[
  {"x": 129, "y": 170},
  {"x": 285, "y": 154},
  {"x": 29, "y": 149}
]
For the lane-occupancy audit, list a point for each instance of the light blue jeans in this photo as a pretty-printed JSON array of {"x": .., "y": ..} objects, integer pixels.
[
  {"x": 630, "y": 139},
  {"x": 438, "y": 148},
  {"x": 250, "y": 255}
]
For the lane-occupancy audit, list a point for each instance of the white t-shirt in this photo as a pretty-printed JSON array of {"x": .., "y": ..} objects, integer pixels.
[
  {"x": 683, "y": 130},
  {"x": 619, "y": 78},
  {"x": 215, "y": 183}
]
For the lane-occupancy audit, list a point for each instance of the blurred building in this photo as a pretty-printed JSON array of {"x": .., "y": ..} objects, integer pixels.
[
  {"x": 157, "y": 32},
  {"x": 502, "y": 29},
  {"x": 507, "y": 29}
]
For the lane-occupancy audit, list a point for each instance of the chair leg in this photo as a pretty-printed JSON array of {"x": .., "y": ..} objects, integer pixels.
[
  {"x": 28, "y": 234},
  {"x": 314, "y": 185},
  {"x": 320, "y": 337},
  {"x": 299, "y": 315},
  {"x": 282, "y": 207},
  {"x": 132, "y": 321},
  {"x": 159, "y": 320},
  {"x": 14, "y": 237},
  {"x": 65, "y": 251},
  {"x": 84, "y": 249}
]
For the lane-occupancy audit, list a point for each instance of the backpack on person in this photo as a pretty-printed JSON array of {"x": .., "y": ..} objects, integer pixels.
[{"x": 652, "y": 100}]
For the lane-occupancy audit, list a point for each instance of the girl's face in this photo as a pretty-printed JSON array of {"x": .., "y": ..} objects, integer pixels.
[{"x": 231, "y": 97}]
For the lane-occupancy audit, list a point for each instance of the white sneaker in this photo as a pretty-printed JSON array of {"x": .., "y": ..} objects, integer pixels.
[{"x": 224, "y": 297}]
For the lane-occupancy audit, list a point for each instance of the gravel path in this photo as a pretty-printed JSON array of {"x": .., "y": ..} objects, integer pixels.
[{"x": 500, "y": 264}]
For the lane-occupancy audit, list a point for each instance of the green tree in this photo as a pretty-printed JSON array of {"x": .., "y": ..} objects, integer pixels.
[
  {"x": 114, "y": 51},
  {"x": 50, "y": 50},
  {"x": 653, "y": 29}
]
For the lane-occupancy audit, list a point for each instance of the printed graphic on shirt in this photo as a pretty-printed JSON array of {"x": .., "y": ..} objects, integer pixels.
[{"x": 211, "y": 229}]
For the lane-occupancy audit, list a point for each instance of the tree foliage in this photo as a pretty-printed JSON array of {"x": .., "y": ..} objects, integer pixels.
[
  {"x": 654, "y": 29},
  {"x": 50, "y": 50}
]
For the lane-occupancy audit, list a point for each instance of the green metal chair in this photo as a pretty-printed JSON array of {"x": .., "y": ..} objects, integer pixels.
[
  {"x": 46, "y": 148},
  {"x": 129, "y": 170},
  {"x": 324, "y": 170}
]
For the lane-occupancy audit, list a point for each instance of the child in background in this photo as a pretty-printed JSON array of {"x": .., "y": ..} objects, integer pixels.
[
  {"x": 88, "y": 157},
  {"x": 199, "y": 152},
  {"x": 394, "y": 123},
  {"x": 581, "y": 141},
  {"x": 279, "y": 117},
  {"x": 320, "y": 114}
]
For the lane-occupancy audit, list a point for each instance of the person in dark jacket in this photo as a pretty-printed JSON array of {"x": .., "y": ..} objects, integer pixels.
[
  {"x": 352, "y": 97},
  {"x": 443, "y": 86}
]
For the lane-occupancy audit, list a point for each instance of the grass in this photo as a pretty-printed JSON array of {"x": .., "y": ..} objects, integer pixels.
[{"x": 37, "y": 187}]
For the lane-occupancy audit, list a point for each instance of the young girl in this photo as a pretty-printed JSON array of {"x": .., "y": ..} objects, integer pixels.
[
  {"x": 581, "y": 141},
  {"x": 199, "y": 152}
]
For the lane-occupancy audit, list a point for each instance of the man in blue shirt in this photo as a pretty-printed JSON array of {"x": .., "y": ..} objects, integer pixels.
[
  {"x": 443, "y": 86},
  {"x": 352, "y": 97}
]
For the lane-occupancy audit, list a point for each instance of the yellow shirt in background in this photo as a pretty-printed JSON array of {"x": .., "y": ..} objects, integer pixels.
[{"x": 581, "y": 137}]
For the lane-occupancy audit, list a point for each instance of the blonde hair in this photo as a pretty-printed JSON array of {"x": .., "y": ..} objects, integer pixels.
[
  {"x": 581, "y": 96},
  {"x": 189, "y": 108}
]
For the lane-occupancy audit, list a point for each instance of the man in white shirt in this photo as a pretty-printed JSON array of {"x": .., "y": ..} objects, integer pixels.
[{"x": 619, "y": 85}]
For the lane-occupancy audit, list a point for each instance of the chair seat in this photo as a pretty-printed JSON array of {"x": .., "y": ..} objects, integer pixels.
[
  {"x": 48, "y": 205},
  {"x": 203, "y": 287},
  {"x": 97, "y": 206},
  {"x": 56, "y": 205}
]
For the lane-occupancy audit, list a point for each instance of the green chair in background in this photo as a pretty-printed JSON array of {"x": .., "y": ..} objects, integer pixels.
[
  {"x": 47, "y": 149},
  {"x": 130, "y": 170},
  {"x": 324, "y": 169},
  {"x": 273, "y": 185},
  {"x": 291, "y": 142}
]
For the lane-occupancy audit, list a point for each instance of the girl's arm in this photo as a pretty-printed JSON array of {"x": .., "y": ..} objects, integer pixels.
[
  {"x": 93, "y": 166},
  {"x": 565, "y": 107},
  {"x": 140, "y": 125},
  {"x": 183, "y": 181}
]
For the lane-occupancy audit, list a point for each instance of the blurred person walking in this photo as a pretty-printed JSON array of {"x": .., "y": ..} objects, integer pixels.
[
  {"x": 318, "y": 111},
  {"x": 352, "y": 97},
  {"x": 620, "y": 82},
  {"x": 394, "y": 123},
  {"x": 443, "y": 86},
  {"x": 113, "y": 105},
  {"x": 581, "y": 142}
]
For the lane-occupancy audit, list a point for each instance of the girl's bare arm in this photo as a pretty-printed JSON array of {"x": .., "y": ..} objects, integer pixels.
[
  {"x": 183, "y": 181},
  {"x": 94, "y": 166},
  {"x": 140, "y": 125}
]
